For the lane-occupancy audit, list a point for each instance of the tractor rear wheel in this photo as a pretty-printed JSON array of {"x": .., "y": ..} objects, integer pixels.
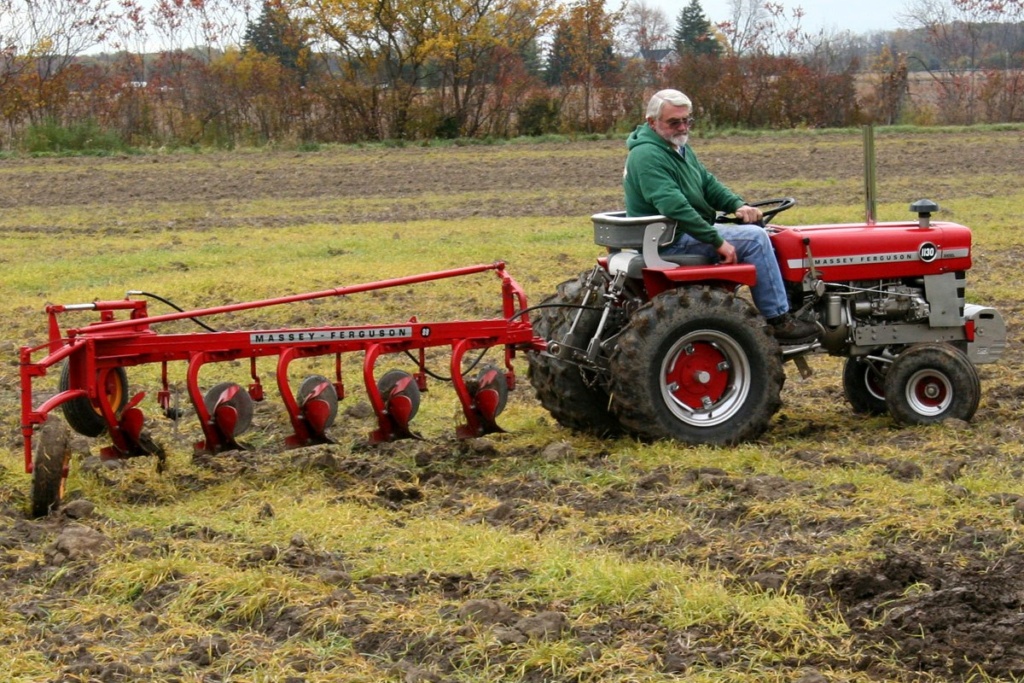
[
  {"x": 80, "y": 413},
  {"x": 928, "y": 383},
  {"x": 864, "y": 386},
  {"x": 697, "y": 365},
  {"x": 575, "y": 396}
]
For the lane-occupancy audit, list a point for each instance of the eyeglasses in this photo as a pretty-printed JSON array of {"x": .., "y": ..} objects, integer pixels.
[{"x": 676, "y": 123}]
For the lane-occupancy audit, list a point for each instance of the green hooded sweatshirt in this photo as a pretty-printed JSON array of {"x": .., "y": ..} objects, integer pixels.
[{"x": 660, "y": 180}]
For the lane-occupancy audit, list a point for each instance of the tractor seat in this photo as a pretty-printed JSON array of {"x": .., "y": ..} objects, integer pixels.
[
  {"x": 644, "y": 234},
  {"x": 688, "y": 259}
]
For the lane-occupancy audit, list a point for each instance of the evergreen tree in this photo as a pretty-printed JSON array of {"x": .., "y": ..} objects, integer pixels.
[
  {"x": 694, "y": 34},
  {"x": 533, "y": 61},
  {"x": 559, "y": 61},
  {"x": 582, "y": 48},
  {"x": 275, "y": 34}
]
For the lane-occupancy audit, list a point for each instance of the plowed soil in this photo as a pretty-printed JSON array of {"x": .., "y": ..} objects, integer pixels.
[{"x": 574, "y": 174}]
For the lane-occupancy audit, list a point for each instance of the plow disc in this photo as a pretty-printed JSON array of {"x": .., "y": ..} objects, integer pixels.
[
  {"x": 318, "y": 401},
  {"x": 490, "y": 395},
  {"x": 401, "y": 397},
  {"x": 230, "y": 409}
]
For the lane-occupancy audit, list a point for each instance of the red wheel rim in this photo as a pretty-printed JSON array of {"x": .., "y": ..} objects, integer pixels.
[{"x": 697, "y": 375}]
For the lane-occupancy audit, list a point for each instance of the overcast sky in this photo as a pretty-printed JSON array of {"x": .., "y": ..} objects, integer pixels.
[{"x": 857, "y": 16}]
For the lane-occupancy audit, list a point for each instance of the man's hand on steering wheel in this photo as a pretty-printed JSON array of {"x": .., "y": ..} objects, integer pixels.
[
  {"x": 766, "y": 211},
  {"x": 749, "y": 214}
]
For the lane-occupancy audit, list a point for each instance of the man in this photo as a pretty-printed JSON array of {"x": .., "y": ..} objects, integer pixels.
[{"x": 663, "y": 176}]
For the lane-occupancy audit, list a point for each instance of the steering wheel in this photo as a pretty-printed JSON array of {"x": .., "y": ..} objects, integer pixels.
[{"x": 776, "y": 206}]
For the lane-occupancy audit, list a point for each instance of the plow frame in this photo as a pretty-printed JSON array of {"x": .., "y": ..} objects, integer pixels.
[{"x": 94, "y": 353}]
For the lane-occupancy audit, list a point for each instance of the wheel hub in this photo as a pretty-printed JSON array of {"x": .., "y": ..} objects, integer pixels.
[
  {"x": 929, "y": 392},
  {"x": 698, "y": 377},
  {"x": 705, "y": 378}
]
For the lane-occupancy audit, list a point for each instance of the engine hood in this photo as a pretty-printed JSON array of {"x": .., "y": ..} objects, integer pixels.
[{"x": 861, "y": 251}]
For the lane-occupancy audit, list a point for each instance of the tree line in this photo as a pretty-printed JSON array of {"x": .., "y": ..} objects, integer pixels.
[{"x": 229, "y": 72}]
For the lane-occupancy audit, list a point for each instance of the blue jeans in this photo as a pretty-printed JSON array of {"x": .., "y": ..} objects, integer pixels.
[{"x": 752, "y": 246}]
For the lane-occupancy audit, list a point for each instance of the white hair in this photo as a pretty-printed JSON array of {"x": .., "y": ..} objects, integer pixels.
[{"x": 658, "y": 100}]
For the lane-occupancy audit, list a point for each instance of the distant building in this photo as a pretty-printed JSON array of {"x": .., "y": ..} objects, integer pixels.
[{"x": 662, "y": 58}]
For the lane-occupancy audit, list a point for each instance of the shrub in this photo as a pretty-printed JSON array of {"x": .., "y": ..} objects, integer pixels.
[
  {"x": 539, "y": 115},
  {"x": 84, "y": 136}
]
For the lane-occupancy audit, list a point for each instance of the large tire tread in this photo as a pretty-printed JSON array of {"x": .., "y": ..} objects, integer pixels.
[
  {"x": 636, "y": 365},
  {"x": 574, "y": 397}
]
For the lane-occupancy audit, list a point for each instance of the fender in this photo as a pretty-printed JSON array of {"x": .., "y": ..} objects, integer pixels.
[
  {"x": 730, "y": 276},
  {"x": 727, "y": 277}
]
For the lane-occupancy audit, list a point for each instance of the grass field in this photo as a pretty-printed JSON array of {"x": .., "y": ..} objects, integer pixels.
[{"x": 837, "y": 547}]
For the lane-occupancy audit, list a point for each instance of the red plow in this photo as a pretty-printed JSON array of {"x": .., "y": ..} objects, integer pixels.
[{"x": 94, "y": 395}]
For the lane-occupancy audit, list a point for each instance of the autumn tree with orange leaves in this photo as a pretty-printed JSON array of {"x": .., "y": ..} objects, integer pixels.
[
  {"x": 385, "y": 54},
  {"x": 474, "y": 45},
  {"x": 582, "y": 55},
  {"x": 39, "y": 40}
]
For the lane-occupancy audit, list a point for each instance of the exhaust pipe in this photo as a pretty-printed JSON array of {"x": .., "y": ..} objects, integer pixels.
[{"x": 870, "y": 208}]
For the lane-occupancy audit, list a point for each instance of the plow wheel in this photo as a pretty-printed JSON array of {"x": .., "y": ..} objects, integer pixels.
[
  {"x": 696, "y": 365},
  {"x": 401, "y": 397},
  {"x": 573, "y": 395},
  {"x": 318, "y": 401},
  {"x": 50, "y": 467},
  {"x": 864, "y": 385},
  {"x": 230, "y": 408},
  {"x": 80, "y": 413},
  {"x": 928, "y": 383}
]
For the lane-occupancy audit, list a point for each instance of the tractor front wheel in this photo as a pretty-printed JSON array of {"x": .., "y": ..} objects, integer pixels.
[
  {"x": 928, "y": 383},
  {"x": 864, "y": 385},
  {"x": 697, "y": 365}
]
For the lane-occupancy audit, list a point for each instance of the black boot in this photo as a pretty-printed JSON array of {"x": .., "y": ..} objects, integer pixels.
[{"x": 789, "y": 330}]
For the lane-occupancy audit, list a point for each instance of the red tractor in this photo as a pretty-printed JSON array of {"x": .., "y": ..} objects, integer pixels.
[{"x": 666, "y": 347}]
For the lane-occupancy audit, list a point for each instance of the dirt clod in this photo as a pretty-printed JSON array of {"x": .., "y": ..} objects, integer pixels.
[{"x": 76, "y": 542}]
